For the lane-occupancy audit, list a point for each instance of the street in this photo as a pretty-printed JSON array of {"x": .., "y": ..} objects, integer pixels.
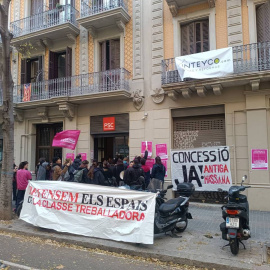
[{"x": 32, "y": 253}]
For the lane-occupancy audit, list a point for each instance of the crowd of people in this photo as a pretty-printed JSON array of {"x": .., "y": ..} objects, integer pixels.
[{"x": 118, "y": 172}]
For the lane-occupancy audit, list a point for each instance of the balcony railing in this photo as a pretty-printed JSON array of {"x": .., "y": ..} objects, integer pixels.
[
  {"x": 84, "y": 84},
  {"x": 44, "y": 20},
  {"x": 247, "y": 58},
  {"x": 99, "y": 6}
]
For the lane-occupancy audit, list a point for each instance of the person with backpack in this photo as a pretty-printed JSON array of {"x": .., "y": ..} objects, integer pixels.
[
  {"x": 58, "y": 172},
  {"x": 110, "y": 180},
  {"x": 42, "y": 169},
  {"x": 134, "y": 176},
  {"x": 80, "y": 175},
  {"x": 96, "y": 175},
  {"x": 159, "y": 170},
  {"x": 68, "y": 176}
]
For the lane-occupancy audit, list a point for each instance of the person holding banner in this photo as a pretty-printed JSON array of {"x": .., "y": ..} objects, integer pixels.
[
  {"x": 57, "y": 169},
  {"x": 134, "y": 175}
]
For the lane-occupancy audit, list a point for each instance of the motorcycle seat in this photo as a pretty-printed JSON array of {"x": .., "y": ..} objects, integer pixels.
[{"x": 170, "y": 205}]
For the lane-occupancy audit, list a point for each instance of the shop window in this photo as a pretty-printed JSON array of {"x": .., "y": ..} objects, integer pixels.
[
  {"x": 195, "y": 37},
  {"x": 31, "y": 70}
]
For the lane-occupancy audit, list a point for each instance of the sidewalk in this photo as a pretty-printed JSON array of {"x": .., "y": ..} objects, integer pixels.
[{"x": 200, "y": 245}]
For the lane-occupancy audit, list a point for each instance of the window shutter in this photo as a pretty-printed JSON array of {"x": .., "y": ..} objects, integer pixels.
[
  {"x": 68, "y": 62},
  {"x": 40, "y": 69},
  {"x": 52, "y": 65},
  {"x": 184, "y": 40},
  {"x": 205, "y": 36},
  {"x": 23, "y": 71},
  {"x": 263, "y": 22},
  {"x": 52, "y": 4},
  {"x": 114, "y": 54},
  {"x": 103, "y": 56}
]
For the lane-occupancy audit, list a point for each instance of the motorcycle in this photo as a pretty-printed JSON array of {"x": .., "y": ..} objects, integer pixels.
[
  {"x": 173, "y": 214},
  {"x": 236, "y": 215}
]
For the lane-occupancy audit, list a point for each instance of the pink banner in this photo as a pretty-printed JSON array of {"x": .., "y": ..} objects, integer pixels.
[
  {"x": 161, "y": 150},
  {"x": 147, "y": 145},
  {"x": 70, "y": 155},
  {"x": 66, "y": 139},
  {"x": 84, "y": 156},
  {"x": 164, "y": 162},
  {"x": 259, "y": 159}
]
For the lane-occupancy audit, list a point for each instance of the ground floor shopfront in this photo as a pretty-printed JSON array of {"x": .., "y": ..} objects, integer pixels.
[{"x": 238, "y": 119}]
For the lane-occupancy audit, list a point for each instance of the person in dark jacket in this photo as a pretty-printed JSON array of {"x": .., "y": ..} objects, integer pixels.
[
  {"x": 95, "y": 175},
  {"x": 134, "y": 176},
  {"x": 117, "y": 170},
  {"x": 42, "y": 170},
  {"x": 77, "y": 162},
  {"x": 84, "y": 177},
  {"x": 159, "y": 170},
  {"x": 146, "y": 170}
]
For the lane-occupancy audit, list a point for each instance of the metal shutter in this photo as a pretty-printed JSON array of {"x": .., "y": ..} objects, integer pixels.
[
  {"x": 263, "y": 22},
  {"x": 199, "y": 131}
]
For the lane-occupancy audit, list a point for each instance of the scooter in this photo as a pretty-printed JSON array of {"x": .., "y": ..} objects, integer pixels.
[
  {"x": 173, "y": 214},
  {"x": 236, "y": 215}
]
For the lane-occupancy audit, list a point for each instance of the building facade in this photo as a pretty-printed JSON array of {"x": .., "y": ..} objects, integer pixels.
[{"x": 76, "y": 63}]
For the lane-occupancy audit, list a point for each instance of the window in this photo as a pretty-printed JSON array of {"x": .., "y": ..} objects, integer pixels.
[
  {"x": 110, "y": 54},
  {"x": 263, "y": 22},
  {"x": 60, "y": 64},
  {"x": 31, "y": 70},
  {"x": 195, "y": 37}
]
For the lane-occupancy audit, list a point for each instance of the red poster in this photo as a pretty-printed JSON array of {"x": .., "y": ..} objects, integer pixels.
[
  {"x": 70, "y": 155},
  {"x": 161, "y": 150},
  {"x": 147, "y": 145},
  {"x": 259, "y": 159},
  {"x": 109, "y": 124},
  {"x": 84, "y": 156},
  {"x": 27, "y": 92}
]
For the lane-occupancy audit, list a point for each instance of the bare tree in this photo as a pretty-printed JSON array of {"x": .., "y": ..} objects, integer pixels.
[{"x": 7, "y": 113}]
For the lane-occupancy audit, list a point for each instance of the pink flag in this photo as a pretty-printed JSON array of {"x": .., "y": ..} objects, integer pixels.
[{"x": 66, "y": 139}]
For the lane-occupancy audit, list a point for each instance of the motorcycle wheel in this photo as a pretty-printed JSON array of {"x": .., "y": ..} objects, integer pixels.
[
  {"x": 234, "y": 245},
  {"x": 182, "y": 229}
]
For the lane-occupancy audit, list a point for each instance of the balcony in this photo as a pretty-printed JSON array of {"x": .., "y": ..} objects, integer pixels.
[
  {"x": 107, "y": 85},
  {"x": 176, "y": 5},
  {"x": 47, "y": 26},
  {"x": 104, "y": 13},
  {"x": 251, "y": 66}
]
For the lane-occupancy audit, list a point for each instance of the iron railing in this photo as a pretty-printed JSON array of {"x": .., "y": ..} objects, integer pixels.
[
  {"x": 99, "y": 6},
  {"x": 84, "y": 84},
  {"x": 247, "y": 58},
  {"x": 44, "y": 20}
]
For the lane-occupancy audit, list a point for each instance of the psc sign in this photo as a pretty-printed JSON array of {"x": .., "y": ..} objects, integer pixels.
[{"x": 108, "y": 123}]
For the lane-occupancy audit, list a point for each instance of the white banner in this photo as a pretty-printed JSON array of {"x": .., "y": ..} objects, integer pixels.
[
  {"x": 91, "y": 210},
  {"x": 207, "y": 168},
  {"x": 211, "y": 64}
]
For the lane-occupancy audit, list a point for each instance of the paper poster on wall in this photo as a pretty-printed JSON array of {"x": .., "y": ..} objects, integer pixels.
[
  {"x": 207, "y": 168},
  {"x": 70, "y": 155},
  {"x": 92, "y": 154},
  {"x": 161, "y": 150},
  {"x": 259, "y": 159},
  {"x": 165, "y": 163},
  {"x": 147, "y": 145},
  {"x": 84, "y": 156}
]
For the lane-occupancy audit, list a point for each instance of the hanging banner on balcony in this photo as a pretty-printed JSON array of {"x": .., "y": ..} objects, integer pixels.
[
  {"x": 66, "y": 139},
  {"x": 207, "y": 168},
  {"x": 27, "y": 92},
  {"x": 91, "y": 210},
  {"x": 211, "y": 64}
]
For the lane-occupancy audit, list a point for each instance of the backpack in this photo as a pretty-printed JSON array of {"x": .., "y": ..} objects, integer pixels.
[
  {"x": 66, "y": 176},
  {"x": 78, "y": 174}
]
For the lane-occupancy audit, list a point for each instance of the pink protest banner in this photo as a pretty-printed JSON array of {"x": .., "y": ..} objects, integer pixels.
[
  {"x": 66, "y": 139},
  {"x": 84, "y": 156},
  {"x": 147, "y": 145},
  {"x": 164, "y": 162},
  {"x": 161, "y": 150},
  {"x": 150, "y": 162},
  {"x": 70, "y": 155},
  {"x": 259, "y": 159}
]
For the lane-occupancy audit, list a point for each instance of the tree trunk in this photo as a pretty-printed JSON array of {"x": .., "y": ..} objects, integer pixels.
[{"x": 8, "y": 118}]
